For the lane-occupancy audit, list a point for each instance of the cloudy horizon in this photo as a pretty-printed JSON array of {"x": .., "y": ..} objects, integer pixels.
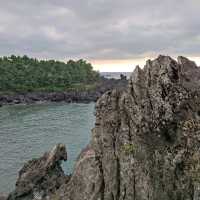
[{"x": 112, "y": 35}]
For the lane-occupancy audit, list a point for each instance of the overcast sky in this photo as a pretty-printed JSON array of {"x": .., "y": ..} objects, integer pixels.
[{"x": 112, "y": 34}]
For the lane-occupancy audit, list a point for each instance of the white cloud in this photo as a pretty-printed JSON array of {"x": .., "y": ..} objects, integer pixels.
[
  {"x": 52, "y": 33},
  {"x": 99, "y": 29}
]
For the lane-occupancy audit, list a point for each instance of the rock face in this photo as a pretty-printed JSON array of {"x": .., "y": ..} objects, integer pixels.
[
  {"x": 145, "y": 144},
  {"x": 146, "y": 141},
  {"x": 41, "y": 177}
]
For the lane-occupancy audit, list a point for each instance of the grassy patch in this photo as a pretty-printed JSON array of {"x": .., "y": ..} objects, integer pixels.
[{"x": 129, "y": 149}]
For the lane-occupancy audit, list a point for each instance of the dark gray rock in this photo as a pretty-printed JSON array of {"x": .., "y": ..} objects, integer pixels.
[
  {"x": 87, "y": 179},
  {"x": 146, "y": 140},
  {"x": 39, "y": 178}
]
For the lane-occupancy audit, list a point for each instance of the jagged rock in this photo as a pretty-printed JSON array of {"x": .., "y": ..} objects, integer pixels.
[
  {"x": 146, "y": 138},
  {"x": 146, "y": 141},
  {"x": 87, "y": 179},
  {"x": 41, "y": 177}
]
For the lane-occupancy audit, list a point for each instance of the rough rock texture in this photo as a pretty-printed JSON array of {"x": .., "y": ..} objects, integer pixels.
[
  {"x": 41, "y": 177},
  {"x": 146, "y": 140}
]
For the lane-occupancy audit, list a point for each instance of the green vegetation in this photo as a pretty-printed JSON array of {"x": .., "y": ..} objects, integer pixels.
[
  {"x": 129, "y": 149},
  {"x": 24, "y": 74}
]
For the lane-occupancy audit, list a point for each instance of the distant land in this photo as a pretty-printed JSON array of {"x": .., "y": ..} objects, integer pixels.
[
  {"x": 28, "y": 80},
  {"x": 24, "y": 74},
  {"x": 115, "y": 75}
]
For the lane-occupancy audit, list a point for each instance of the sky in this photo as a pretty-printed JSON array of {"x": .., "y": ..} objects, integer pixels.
[{"x": 114, "y": 35}]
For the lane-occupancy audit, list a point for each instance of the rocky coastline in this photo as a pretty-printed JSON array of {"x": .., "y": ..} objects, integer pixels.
[
  {"x": 145, "y": 144},
  {"x": 73, "y": 96}
]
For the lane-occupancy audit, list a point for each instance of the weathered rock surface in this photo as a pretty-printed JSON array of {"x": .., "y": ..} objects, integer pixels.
[
  {"x": 39, "y": 178},
  {"x": 146, "y": 141}
]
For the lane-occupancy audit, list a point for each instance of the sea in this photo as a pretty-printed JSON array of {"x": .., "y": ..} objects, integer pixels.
[{"x": 115, "y": 75}]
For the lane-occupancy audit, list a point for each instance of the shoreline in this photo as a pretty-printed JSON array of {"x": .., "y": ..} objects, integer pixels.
[
  {"x": 35, "y": 97},
  {"x": 64, "y": 96}
]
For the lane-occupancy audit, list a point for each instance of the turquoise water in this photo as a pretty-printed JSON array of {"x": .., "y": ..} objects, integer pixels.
[{"x": 27, "y": 131}]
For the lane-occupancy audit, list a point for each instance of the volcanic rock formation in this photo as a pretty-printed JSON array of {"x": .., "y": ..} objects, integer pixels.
[
  {"x": 39, "y": 178},
  {"x": 146, "y": 141}
]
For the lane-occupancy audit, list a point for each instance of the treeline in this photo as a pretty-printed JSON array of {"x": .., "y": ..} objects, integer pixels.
[{"x": 24, "y": 74}]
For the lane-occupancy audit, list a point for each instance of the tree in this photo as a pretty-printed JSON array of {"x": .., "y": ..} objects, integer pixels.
[{"x": 21, "y": 74}]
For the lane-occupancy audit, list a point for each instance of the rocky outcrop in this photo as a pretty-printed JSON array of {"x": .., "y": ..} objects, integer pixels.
[
  {"x": 40, "y": 178},
  {"x": 146, "y": 141},
  {"x": 87, "y": 179}
]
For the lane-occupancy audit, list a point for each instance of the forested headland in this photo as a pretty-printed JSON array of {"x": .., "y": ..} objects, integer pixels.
[{"x": 24, "y": 74}]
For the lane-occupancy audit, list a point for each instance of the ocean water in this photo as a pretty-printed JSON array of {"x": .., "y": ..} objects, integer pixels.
[
  {"x": 115, "y": 75},
  {"x": 27, "y": 131}
]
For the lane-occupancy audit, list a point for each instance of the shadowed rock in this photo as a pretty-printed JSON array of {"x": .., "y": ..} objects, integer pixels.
[{"x": 41, "y": 177}]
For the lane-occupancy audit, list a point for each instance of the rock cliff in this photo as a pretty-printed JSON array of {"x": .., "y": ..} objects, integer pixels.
[{"x": 146, "y": 140}]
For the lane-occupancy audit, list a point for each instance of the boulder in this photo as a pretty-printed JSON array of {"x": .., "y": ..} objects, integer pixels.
[{"x": 39, "y": 178}]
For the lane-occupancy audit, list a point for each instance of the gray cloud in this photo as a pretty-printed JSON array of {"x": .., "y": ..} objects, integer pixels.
[{"x": 99, "y": 29}]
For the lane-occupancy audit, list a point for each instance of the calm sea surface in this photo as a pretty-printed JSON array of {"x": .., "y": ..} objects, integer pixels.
[{"x": 27, "y": 131}]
